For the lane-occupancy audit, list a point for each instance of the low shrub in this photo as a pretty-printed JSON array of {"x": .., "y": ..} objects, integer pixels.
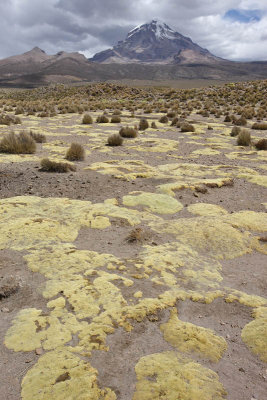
[
  {"x": 6, "y": 119},
  {"x": 22, "y": 143},
  {"x": 261, "y": 144},
  {"x": 53, "y": 166},
  {"x": 115, "y": 119},
  {"x": 87, "y": 119},
  {"x": 38, "y": 137},
  {"x": 43, "y": 114},
  {"x": 186, "y": 127},
  {"x": 19, "y": 110},
  {"x": 75, "y": 152},
  {"x": 154, "y": 125},
  {"x": 171, "y": 114},
  {"x": 241, "y": 121},
  {"x": 117, "y": 112},
  {"x": 260, "y": 125},
  {"x": 174, "y": 121},
  {"x": 128, "y": 132},
  {"x": 102, "y": 119},
  {"x": 244, "y": 138},
  {"x": 164, "y": 119},
  {"x": 235, "y": 131},
  {"x": 115, "y": 140},
  {"x": 143, "y": 124}
]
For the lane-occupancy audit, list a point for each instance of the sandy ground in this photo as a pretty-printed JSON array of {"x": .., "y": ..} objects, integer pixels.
[{"x": 100, "y": 292}]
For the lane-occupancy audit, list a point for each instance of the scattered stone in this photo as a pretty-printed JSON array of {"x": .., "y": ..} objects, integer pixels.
[{"x": 39, "y": 351}]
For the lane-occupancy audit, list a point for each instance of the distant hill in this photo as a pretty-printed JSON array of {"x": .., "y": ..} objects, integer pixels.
[{"x": 151, "y": 52}]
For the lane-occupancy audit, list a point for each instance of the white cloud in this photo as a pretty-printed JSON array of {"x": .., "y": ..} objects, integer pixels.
[{"x": 91, "y": 26}]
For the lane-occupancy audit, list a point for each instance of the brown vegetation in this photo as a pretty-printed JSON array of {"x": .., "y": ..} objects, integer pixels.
[{"x": 53, "y": 166}]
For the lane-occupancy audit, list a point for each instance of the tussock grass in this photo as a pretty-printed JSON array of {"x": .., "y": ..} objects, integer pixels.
[
  {"x": 261, "y": 144},
  {"x": 235, "y": 131},
  {"x": 115, "y": 140},
  {"x": 102, "y": 119},
  {"x": 143, "y": 124},
  {"x": 38, "y": 137},
  {"x": 76, "y": 152},
  {"x": 244, "y": 138},
  {"x": 22, "y": 143},
  {"x": 115, "y": 119},
  {"x": 53, "y": 166},
  {"x": 260, "y": 126},
  {"x": 186, "y": 127},
  {"x": 87, "y": 119},
  {"x": 128, "y": 132}
]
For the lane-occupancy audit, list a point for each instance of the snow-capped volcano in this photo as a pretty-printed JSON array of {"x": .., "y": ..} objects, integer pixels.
[
  {"x": 155, "y": 42},
  {"x": 159, "y": 28}
]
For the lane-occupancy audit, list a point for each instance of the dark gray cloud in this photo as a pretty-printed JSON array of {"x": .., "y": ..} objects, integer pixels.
[{"x": 90, "y": 26}]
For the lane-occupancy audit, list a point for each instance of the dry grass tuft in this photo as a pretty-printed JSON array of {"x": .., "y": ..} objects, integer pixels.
[
  {"x": 115, "y": 119},
  {"x": 102, "y": 119},
  {"x": 243, "y": 138},
  {"x": 186, "y": 127},
  {"x": 164, "y": 119},
  {"x": 128, "y": 132},
  {"x": 235, "y": 131},
  {"x": 262, "y": 126},
  {"x": 75, "y": 152},
  {"x": 136, "y": 235},
  {"x": 87, "y": 119},
  {"x": 38, "y": 137},
  {"x": 53, "y": 166},
  {"x": 6, "y": 119},
  {"x": 261, "y": 144},
  {"x": 143, "y": 124},
  {"x": 22, "y": 143},
  {"x": 115, "y": 140}
]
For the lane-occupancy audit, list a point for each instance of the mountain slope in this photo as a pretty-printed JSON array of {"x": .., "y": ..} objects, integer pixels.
[
  {"x": 35, "y": 60},
  {"x": 156, "y": 43}
]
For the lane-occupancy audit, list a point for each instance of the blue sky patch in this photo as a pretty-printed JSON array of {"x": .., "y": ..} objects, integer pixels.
[{"x": 244, "y": 16}]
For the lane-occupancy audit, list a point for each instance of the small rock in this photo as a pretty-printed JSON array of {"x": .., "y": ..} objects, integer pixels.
[
  {"x": 241, "y": 369},
  {"x": 195, "y": 194},
  {"x": 5, "y": 310},
  {"x": 39, "y": 351},
  {"x": 227, "y": 336}
]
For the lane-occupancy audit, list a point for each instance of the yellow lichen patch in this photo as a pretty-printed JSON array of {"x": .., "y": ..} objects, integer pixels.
[
  {"x": 205, "y": 152},
  {"x": 127, "y": 169},
  {"x": 190, "y": 183},
  {"x": 248, "y": 300},
  {"x": 171, "y": 376},
  {"x": 17, "y": 158},
  {"x": 255, "y": 178},
  {"x": 178, "y": 264},
  {"x": 32, "y": 221},
  {"x": 211, "y": 235},
  {"x": 31, "y": 330},
  {"x": 60, "y": 375},
  {"x": 251, "y": 220},
  {"x": 156, "y": 145},
  {"x": 188, "y": 337},
  {"x": 205, "y": 209},
  {"x": 254, "y": 334},
  {"x": 154, "y": 202}
]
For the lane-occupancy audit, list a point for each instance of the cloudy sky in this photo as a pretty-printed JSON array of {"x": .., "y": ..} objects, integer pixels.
[{"x": 233, "y": 29}]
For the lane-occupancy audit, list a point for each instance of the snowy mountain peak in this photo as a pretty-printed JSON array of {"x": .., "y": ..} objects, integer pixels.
[
  {"x": 156, "y": 27},
  {"x": 155, "y": 42}
]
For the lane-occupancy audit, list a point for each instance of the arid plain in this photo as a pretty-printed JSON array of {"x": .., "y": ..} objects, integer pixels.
[{"x": 141, "y": 272}]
